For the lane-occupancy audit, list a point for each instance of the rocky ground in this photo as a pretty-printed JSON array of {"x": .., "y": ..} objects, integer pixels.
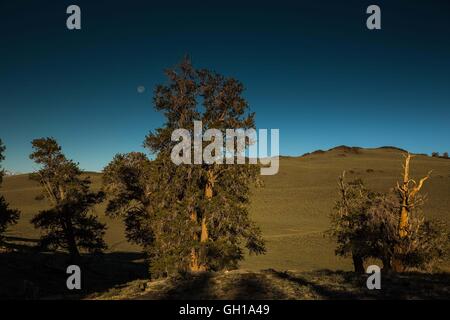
[{"x": 272, "y": 284}]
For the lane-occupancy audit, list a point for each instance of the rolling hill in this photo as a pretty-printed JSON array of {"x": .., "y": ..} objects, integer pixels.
[{"x": 292, "y": 208}]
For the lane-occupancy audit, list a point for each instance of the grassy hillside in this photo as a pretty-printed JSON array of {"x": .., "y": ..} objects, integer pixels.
[{"x": 292, "y": 209}]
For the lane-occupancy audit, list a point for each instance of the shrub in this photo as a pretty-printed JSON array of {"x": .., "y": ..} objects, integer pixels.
[{"x": 349, "y": 221}]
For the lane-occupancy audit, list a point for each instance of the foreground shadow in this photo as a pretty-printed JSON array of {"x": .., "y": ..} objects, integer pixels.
[
  {"x": 27, "y": 273},
  {"x": 339, "y": 285},
  {"x": 185, "y": 287},
  {"x": 237, "y": 285}
]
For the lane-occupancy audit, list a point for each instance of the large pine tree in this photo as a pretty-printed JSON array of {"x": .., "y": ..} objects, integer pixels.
[
  {"x": 8, "y": 216},
  {"x": 68, "y": 224},
  {"x": 193, "y": 216}
]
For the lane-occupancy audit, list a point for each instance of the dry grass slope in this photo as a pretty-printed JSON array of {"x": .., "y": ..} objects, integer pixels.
[{"x": 292, "y": 209}]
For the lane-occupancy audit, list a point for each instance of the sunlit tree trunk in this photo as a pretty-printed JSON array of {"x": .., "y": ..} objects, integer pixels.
[
  {"x": 194, "y": 254},
  {"x": 196, "y": 265},
  {"x": 208, "y": 195},
  {"x": 407, "y": 191},
  {"x": 404, "y": 194}
]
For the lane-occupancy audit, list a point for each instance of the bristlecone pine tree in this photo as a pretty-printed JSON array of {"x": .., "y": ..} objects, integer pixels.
[
  {"x": 8, "y": 216},
  {"x": 188, "y": 217},
  {"x": 349, "y": 221},
  {"x": 68, "y": 224},
  {"x": 389, "y": 227}
]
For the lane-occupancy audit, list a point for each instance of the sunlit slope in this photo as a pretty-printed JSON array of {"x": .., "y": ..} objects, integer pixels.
[{"x": 293, "y": 207}]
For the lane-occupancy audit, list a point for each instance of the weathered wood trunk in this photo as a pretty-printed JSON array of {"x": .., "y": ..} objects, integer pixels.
[
  {"x": 407, "y": 192},
  {"x": 196, "y": 263},
  {"x": 208, "y": 195},
  {"x": 71, "y": 241},
  {"x": 404, "y": 194}
]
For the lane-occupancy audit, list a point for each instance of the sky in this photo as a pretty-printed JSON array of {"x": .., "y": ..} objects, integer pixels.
[{"x": 311, "y": 69}]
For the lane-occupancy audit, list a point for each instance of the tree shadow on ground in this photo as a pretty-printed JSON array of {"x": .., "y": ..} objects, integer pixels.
[
  {"x": 256, "y": 287},
  {"x": 321, "y": 290},
  {"x": 28, "y": 273},
  {"x": 189, "y": 286},
  {"x": 272, "y": 284},
  {"x": 349, "y": 285},
  {"x": 239, "y": 285}
]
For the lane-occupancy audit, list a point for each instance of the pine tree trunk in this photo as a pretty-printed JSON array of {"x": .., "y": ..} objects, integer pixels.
[
  {"x": 196, "y": 265},
  {"x": 404, "y": 220},
  {"x": 194, "y": 254},
  {"x": 208, "y": 195},
  {"x": 387, "y": 264},
  {"x": 397, "y": 265},
  {"x": 68, "y": 228},
  {"x": 407, "y": 191},
  {"x": 72, "y": 244},
  {"x": 74, "y": 253},
  {"x": 358, "y": 263},
  {"x": 204, "y": 236},
  {"x": 404, "y": 192}
]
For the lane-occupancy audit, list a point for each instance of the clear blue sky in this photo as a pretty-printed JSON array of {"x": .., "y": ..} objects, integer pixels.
[{"x": 310, "y": 68}]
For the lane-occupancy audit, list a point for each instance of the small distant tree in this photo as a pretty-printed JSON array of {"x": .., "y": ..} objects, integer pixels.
[
  {"x": 445, "y": 155},
  {"x": 8, "y": 216},
  {"x": 68, "y": 224},
  {"x": 435, "y": 154}
]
